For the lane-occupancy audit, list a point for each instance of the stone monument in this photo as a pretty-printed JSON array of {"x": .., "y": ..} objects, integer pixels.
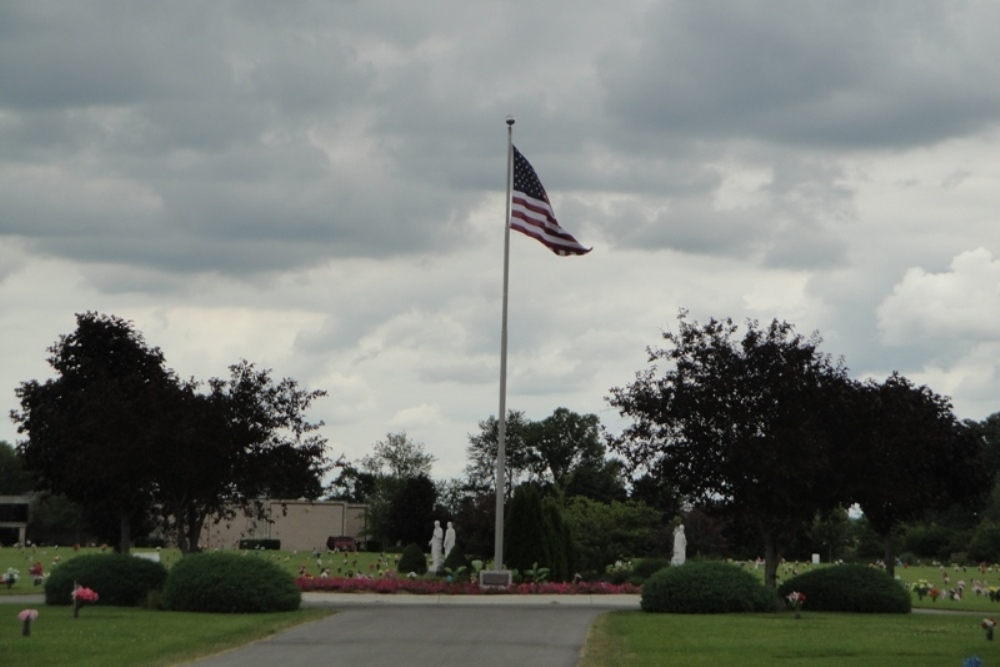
[
  {"x": 449, "y": 539},
  {"x": 680, "y": 546},
  {"x": 435, "y": 543}
]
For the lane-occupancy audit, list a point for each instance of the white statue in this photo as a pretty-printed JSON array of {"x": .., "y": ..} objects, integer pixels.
[
  {"x": 449, "y": 539},
  {"x": 680, "y": 546},
  {"x": 436, "y": 547}
]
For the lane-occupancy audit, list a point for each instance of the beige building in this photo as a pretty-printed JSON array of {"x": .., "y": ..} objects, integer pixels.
[{"x": 301, "y": 525}]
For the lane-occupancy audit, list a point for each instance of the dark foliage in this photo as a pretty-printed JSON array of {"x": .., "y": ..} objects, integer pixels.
[
  {"x": 526, "y": 542},
  {"x": 410, "y": 509},
  {"x": 754, "y": 422},
  {"x": 705, "y": 587},
  {"x": 229, "y": 583},
  {"x": 911, "y": 455},
  {"x": 413, "y": 559},
  {"x": 94, "y": 431},
  {"x": 644, "y": 568},
  {"x": 455, "y": 560},
  {"x": 852, "y": 588},
  {"x": 118, "y": 579}
]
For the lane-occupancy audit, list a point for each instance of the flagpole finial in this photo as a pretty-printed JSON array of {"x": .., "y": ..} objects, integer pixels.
[{"x": 510, "y": 120}]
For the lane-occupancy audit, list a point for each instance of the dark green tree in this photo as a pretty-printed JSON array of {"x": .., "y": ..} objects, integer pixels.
[
  {"x": 911, "y": 455},
  {"x": 385, "y": 471},
  {"x": 14, "y": 478},
  {"x": 92, "y": 430},
  {"x": 244, "y": 439},
  {"x": 411, "y": 511},
  {"x": 525, "y": 540},
  {"x": 754, "y": 421}
]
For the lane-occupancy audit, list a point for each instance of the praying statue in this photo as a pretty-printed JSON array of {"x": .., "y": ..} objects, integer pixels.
[
  {"x": 449, "y": 539},
  {"x": 680, "y": 546},
  {"x": 436, "y": 547}
]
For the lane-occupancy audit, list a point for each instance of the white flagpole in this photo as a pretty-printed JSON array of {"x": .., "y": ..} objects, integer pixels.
[{"x": 502, "y": 418}]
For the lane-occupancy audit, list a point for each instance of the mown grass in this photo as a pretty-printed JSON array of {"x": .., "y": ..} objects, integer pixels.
[
  {"x": 637, "y": 639},
  {"x": 104, "y": 636}
]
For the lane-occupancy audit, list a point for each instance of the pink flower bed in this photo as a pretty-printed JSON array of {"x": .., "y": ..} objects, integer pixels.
[{"x": 389, "y": 585}]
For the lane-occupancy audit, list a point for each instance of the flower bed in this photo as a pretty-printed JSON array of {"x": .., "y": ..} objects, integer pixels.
[{"x": 391, "y": 585}]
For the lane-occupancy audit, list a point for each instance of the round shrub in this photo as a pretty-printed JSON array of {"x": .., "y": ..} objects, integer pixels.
[
  {"x": 854, "y": 588},
  {"x": 705, "y": 587},
  {"x": 229, "y": 583},
  {"x": 119, "y": 579},
  {"x": 647, "y": 567},
  {"x": 412, "y": 560}
]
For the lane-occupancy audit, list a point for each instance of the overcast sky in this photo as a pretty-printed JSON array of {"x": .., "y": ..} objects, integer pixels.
[{"x": 318, "y": 187}]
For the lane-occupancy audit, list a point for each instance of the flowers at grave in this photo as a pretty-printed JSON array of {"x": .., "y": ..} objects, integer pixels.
[
  {"x": 934, "y": 593},
  {"x": 80, "y": 595},
  {"x": 26, "y": 617},
  {"x": 11, "y": 576},
  {"x": 921, "y": 587},
  {"x": 988, "y": 624},
  {"x": 37, "y": 572},
  {"x": 973, "y": 661},
  {"x": 796, "y": 599}
]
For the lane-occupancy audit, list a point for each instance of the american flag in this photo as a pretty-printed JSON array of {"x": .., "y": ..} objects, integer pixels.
[{"x": 532, "y": 214}]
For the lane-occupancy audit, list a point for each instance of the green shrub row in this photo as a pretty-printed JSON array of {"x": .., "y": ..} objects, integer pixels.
[
  {"x": 119, "y": 579},
  {"x": 706, "y": 587},
  {"x": 852, "y": 588},
  {"x": 208, "y": 582}
]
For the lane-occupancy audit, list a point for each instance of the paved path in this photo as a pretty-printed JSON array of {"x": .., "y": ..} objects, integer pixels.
[
  {"x": 423, "y": 630},
  {"x": 445, "y": 631}
]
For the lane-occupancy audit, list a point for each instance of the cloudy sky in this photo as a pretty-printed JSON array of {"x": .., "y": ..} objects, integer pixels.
[{"x": 318, "y": 187}]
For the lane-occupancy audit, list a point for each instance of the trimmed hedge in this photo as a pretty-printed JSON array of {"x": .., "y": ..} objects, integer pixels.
[
  {"x": 229, "y": 583},
  {"x": 706, "y": 587},
  {"x": 119, "y": 579},
  {"x": 412, "y": 560},
  {"x": 853, "y": 588},
  {"x": 647, "y": 567}
]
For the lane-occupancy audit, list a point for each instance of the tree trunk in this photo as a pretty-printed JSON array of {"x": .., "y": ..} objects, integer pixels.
[
  {"x": 126, "y": 537},
  {"x": 890, "y": 558},
  {"x": 770, "y": 562}
]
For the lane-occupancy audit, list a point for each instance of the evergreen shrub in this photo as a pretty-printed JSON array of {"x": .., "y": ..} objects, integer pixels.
[
  {"x": 455, "y": 560},
  {"x": 229, "y": 583},
  {"x": 413, "y": 560},
  {"x": 644, "y": 568},
  {"x": 853, "y": 588},
  {"x": 119, "y": 579},
  {"x": 706, "y": 587}
]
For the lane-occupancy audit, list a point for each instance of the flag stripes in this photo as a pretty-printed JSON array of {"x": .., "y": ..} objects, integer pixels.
[{"x": 532, "y": 214}]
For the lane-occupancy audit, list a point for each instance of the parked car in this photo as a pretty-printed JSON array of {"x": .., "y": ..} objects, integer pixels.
[{"x": 341, "y": 543}]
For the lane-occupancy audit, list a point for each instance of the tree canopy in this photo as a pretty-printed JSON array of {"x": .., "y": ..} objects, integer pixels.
[
  {"x": 746, "y": 421},
  {"x": 118, "y": 433}
]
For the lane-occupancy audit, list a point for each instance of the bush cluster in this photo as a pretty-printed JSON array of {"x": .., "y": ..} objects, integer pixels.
[
  {"x": 853, "y": 588},
  {"x": 229, "y": 583},
  {"x": 412, "y": 560},
  {"x": 119, "y": 579},
  {"x": 706, "y": 587}
]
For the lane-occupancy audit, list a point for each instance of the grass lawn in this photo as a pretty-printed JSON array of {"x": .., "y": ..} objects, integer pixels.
[
  {"x": 124, "y": 636},
  {"x": 638, "y": 639}
]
